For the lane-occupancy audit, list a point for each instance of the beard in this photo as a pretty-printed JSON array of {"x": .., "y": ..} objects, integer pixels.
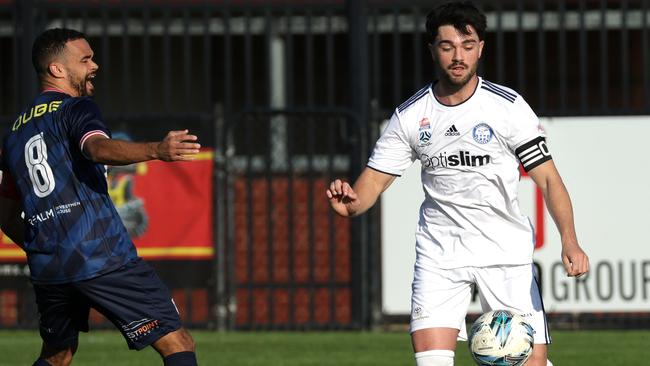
[
  {"x": 82, "y": 85},
  {"x": 457, "y": 82}
]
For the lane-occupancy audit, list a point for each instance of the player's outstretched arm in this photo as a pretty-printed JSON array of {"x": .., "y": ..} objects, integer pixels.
[
  {"x": 176, "y": 146},
  {"x": 558, "y": 202},
  {"x": 352, "y": 201}
]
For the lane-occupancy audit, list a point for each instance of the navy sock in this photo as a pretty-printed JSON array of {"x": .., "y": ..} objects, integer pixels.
[
  {"x": 41, "y": 362},
  {"x": 180, "y": 359}
]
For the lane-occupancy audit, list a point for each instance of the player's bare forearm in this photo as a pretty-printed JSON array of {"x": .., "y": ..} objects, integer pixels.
[
  {"x": 370, "y": 185},
  {"x": 177, "y": 146},
  {"x": 353, "y": 201},
  {"x": 557, "y": 199},
  {"x": 559, "y": 206},
  {"x": 117, "y": 152}
]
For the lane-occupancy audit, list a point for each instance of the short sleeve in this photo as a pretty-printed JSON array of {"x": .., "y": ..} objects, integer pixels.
[
  {"x": 527, "y": 138},
  {"x": 84, "y": 120},
  {"x": 392, "y": 153}
]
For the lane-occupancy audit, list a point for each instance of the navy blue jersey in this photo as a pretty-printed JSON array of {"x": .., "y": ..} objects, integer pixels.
[{"x": 72, "y": 230}]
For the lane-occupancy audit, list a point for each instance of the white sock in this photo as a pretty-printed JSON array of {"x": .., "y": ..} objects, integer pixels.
[
  {"x": 436, "y": 357},
  {"x": 548, "y": 362}
]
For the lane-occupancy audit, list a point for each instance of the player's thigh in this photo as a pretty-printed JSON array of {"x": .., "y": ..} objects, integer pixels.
[
  {"x": 439, "y": 302},
  {"x": 136, "y": 301},
  {"x": 63, "y": 313},
  {"x": 514, "y": 288}
]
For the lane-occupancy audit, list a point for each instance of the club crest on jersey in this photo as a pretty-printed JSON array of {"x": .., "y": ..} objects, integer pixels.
[
  {"x": 482, "y": 133},
  {"x": 425, "y": 131}
]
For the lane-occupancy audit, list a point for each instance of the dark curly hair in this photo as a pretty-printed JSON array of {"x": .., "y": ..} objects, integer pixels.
[
  {"x": 50, "y": 44},
  {"x": 459, "y": 14}
]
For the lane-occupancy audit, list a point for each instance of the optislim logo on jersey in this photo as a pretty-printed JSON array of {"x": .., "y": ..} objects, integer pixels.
[{"x": 463, "y": 158}]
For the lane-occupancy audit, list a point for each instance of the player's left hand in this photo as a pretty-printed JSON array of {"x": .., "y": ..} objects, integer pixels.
[
  {"x": 576, "y": 262},
  {"x": 178, "y": 146}
]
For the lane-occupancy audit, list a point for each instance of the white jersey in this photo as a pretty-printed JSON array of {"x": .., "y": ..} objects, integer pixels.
[{"x": 470, "y": 155}]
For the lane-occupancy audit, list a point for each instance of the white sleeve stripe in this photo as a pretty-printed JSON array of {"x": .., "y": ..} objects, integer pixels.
[
  {"x": 533, "y": 153},
  {"x": 88, "y": 135},
  {"x": 530, "y": 156},
  {"x": 525, "y": 152},
  {"x": 532, "y": 161}
]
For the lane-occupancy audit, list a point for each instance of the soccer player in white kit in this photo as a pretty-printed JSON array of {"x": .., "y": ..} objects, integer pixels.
[{"x": 470, "y": 136}]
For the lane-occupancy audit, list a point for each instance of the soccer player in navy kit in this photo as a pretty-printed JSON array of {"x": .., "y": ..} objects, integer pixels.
[{"x": 79, "y": 253}]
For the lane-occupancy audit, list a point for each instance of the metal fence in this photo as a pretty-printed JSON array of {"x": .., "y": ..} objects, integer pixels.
[{"x": 291, "y": 96}]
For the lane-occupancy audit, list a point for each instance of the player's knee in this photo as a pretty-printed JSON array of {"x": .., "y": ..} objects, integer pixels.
[
  {"x": 187, "y": 340},
  {"x": 437, "y": 357},
  {"x": 177, "y": 341},
  {"x": 184, "y": 358}
]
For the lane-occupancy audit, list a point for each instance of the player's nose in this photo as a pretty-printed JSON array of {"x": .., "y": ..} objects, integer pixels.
[{"x": 458, "y": 54}]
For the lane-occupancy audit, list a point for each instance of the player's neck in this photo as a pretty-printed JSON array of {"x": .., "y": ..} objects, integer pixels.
[
  {"x": 50, "y": 85},
  {"x": 450, "y": 94}
]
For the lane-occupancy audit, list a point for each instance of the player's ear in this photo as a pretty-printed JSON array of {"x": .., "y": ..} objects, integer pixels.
[
  {"x": 480, "y": 48},
  {"x": 56, "y": 69}
]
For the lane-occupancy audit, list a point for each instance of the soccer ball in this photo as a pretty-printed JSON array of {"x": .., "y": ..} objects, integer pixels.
[{"x": 500, "y": 337}]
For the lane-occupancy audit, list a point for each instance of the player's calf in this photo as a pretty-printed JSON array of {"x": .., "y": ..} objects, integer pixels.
[
  {"x": 57, "y": 360},
  {"x": 56, "y": 356}
]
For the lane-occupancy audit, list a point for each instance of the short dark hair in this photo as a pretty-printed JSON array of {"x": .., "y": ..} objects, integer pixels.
[
  {"x": 50, "y": 44},
  {"x": 459, "y": 14}
]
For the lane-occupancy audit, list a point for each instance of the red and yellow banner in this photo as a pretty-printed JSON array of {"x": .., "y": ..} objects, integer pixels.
[{"x": 166, "y": 208}]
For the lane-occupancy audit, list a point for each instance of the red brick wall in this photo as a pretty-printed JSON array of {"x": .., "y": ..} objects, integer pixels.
[{"x": 287, "y": 292}]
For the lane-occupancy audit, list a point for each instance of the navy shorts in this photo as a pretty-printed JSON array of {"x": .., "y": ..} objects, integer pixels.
[{"x": 132, "y": 297}]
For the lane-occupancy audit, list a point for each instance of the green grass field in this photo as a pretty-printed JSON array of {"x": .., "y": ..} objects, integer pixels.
[{"x": 588, "y": 348}]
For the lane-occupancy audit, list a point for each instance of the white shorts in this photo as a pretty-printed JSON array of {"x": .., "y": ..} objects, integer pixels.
[{"x": 441, "y": 297}]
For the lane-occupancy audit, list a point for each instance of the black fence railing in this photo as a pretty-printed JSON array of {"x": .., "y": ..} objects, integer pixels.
[
  {"x": 569, "y": 57},
  {"x": 293, "y": 265}
]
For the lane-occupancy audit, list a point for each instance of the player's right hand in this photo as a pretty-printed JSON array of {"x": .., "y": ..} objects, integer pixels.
[
  {"x": 343, "y": 199},
  {"x": 178, "y": 145}
]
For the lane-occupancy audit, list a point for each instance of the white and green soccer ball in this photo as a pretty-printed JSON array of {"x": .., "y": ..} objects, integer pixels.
[{"x": 500, "y": 338}]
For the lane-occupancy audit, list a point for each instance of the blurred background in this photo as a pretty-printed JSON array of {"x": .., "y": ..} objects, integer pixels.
[{"x": 287, "y": 95}]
